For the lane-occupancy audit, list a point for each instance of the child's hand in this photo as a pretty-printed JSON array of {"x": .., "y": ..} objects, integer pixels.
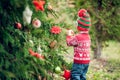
[{"x": 70, "y": 33}]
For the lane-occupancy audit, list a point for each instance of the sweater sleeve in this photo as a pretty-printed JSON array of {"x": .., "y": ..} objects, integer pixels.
[{"x": 71, "y": 40}]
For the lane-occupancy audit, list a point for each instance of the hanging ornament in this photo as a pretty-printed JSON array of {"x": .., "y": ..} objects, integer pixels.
[
  {"x": 39, "y": 56},
  {"x": 39, "y": 5},
  {"x": 18, "y": 25},
  {"x": 35, "y": 54},
  {"x": 55, "y": 30},
  {"x": 27, "y": 13},
  {"x": 36, "y": 23},
  {"x": 57, "y": 69},
  {"x": 53, "y": 43},
  {"x": 39, "y": 49},
  {"x": 31, "y": 43},
  {"x": 31, "y": 52},
  {"x": 66, "y": 74}
]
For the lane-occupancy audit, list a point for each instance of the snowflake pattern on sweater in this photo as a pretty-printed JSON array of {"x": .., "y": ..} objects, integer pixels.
[{"x": 81, "y": 43}]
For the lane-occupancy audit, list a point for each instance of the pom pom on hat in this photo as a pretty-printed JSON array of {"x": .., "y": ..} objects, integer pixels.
[
  {"x": 83, "y": 21},
  {"x": 81, "y": 12}
]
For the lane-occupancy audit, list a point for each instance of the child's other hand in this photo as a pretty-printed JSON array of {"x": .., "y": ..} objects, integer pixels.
[{"x": 70, "y": 33}]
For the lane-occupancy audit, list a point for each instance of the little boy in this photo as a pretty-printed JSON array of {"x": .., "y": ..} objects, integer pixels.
[{"x": 81, "y": 43}]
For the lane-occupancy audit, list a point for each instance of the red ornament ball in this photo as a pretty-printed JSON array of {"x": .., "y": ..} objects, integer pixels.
[
  {"x": 55, "y": 30},
  {"x": 67, "y": 74},
  {"x": 18, "y": 25}
]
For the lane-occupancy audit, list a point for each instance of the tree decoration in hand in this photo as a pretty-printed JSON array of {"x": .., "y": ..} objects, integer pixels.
[
  {"x": 70, "y": 32},
  {"x": 27, "y": 13},
  {"x": 36, "y": 23},
  {"x": 39, "y": 5},
  {"x": 55, "y": 30}
]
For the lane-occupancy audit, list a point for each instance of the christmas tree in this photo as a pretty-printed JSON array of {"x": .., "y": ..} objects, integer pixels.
[{"x": 30, "y": 43}]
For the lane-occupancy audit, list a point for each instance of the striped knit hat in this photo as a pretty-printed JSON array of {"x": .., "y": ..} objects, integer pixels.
[{"x": 83, "y": 21}]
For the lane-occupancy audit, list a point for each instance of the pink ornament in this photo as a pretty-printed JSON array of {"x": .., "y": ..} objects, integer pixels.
[
  {"x": 36, "y": 23},
  {"x": 55, "y": 30}
]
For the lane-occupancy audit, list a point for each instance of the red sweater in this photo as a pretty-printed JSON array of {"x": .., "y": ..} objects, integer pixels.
[{"x": 81, "y": 43}]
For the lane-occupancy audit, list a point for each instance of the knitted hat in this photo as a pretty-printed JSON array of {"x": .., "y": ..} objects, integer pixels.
[{"x": 83, "y": 21}]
